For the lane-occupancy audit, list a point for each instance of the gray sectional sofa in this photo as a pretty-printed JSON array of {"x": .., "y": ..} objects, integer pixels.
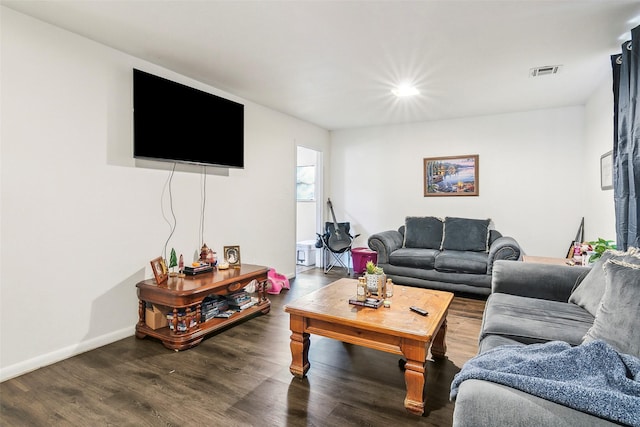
[
  {"x": 549, "y": 335},
  {"x": 450, "y": 254}
]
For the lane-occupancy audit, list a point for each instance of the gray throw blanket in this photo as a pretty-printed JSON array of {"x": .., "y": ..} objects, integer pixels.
[{"x": 592, "y": 377}]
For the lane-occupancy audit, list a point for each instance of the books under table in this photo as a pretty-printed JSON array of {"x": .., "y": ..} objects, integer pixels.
[
  {"x": 212, "y": 305},
  {"x": 226, "y": 306},
  {"x": 226, "y": 314},
  {"x": 369, "y": 302},
  {"x": 243, "y": 304},
  {"x": 238, "y": 298}
]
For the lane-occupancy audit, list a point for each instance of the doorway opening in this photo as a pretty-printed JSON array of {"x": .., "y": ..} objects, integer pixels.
[{"x": 309, "y": 196}]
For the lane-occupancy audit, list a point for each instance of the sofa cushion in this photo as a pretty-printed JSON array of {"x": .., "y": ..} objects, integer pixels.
[
  {"x": 590, "y": 289},
  {"x": 464, "y": 234},
  {"x": 485, "y": 403},
  {"x": 531, "y": 320},
  {"x": 424, "y": 232},
  {"x": 462, "y": 262},
  {"x": 617, "y": 321},
  {"x": 492, "y": 341},
  {"x": 414, "y": 258}
]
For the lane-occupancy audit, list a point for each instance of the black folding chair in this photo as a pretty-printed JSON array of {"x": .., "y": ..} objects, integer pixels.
[{"x": 336, "y": 242}]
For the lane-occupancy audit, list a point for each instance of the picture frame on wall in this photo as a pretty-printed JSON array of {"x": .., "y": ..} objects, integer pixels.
[
  {"x": 451, "y": 176},
  {"x": 606, "y": 171},
  {"x": 232, "y": 255},
  {"x": 160, "y": 270}
]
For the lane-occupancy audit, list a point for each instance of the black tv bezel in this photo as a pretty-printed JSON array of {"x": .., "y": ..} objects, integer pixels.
[{"x": 221, "y": 160}]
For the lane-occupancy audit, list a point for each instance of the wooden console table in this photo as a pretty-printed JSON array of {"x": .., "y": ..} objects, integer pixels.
[
  {"x": 186, "y": 294},
  {"x": 545, "y": 260}
]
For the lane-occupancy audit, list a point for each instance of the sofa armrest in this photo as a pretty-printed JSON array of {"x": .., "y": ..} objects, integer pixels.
[
  {"x": 384, "y": 243},
  {"x": 504, "y": 247},
  {"x": 543, "y": 281}
]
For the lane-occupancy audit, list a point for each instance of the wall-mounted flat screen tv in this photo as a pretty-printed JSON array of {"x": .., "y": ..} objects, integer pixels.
[{"x": 177, "y": 123}]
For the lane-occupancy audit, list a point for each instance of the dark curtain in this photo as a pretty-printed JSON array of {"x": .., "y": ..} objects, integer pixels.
[{"x": 626, "y": 144}]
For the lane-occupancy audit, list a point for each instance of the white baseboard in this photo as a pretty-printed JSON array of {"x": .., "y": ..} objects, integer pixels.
[{"x": 32, "y": 364}]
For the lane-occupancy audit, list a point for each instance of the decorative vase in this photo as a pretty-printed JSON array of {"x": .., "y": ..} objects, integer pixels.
[
  {"x": 376, "y": 282},
  {"x": 204, "y": 251}
]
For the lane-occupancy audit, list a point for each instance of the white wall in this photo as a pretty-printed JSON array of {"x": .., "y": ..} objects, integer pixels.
[
  {"x": 81, "y": 219},
  {"x": 531, "y": 167},
  {"x": 599, "y": 209}
]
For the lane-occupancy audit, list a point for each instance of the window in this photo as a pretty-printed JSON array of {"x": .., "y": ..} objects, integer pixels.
[{"x": 306, "y": 183}]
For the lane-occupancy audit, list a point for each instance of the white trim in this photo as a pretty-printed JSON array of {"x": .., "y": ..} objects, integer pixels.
[{"x": 29, "y": 365}]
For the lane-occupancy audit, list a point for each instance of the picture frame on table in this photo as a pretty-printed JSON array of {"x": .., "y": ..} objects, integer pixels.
[
  {"x": 160, "y": 270},
  {"x": 451, "y": 176},
  {"x": 232, "y": 255},
  {"x": 606, "y": 171}
]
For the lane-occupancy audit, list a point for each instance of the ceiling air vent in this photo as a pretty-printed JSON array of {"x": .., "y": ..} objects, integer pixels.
[{"x": 544, "y": 71}]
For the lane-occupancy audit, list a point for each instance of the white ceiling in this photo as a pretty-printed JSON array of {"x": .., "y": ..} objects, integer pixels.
[{"x": 334, "y": 63}]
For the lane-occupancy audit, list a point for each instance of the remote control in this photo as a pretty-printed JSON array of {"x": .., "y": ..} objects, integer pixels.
[{"x": 419, "y": 310}]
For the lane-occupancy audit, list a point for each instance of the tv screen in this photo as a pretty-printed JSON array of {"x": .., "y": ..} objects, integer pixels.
[{"x": 177, "y": 123}]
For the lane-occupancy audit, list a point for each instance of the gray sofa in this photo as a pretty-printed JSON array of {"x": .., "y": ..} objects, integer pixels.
[
  {"x": 450, "y": 254},
  {"x": 535, "y": 306}
]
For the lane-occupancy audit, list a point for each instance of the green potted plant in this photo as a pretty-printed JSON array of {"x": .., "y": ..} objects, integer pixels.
[
  {"x": 376, "y": 279},
  {"x": 373, "y": 269},
  {"x": 598, "y": 247}
]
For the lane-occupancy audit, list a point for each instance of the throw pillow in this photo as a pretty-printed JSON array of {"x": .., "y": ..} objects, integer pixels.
[
  {"x": 424, "y": 232},
  {"x": 464, "y": 234},
  {"x": 617, "y": 321},
  {"x": 590, "y": 290},
  {"x": 588, "y": 293}
]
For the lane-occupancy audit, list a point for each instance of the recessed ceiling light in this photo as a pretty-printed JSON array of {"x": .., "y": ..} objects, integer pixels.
[{"x": 405, "y": 90}]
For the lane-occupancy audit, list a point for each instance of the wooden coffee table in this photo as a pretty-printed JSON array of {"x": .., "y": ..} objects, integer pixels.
[{"x": 397, "y": 330}]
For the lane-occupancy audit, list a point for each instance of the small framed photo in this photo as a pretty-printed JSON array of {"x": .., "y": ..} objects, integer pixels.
[
  {"x": 232, "y": 255},
  {"x": 160, "y": 270},
  {"x": 606, "y": 171}
]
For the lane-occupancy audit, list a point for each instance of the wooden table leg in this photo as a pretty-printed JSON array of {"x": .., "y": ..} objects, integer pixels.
[
  {"x": 141, "y": 319},
  {"x": 299, "y": 347},
  {"x": 263, "y": 301},
  {"x": 262, "y": 290},
  {"x": 141, "y": 312},
  {"x": 439, "y": 345},
  {"x": 414, "y": 375}
]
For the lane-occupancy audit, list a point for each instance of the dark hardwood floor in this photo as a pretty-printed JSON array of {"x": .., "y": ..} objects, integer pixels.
[{"x": 240, "y": 377}]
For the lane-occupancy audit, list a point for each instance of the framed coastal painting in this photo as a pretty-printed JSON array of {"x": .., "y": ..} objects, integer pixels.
[{"x": 451, "y": 176}]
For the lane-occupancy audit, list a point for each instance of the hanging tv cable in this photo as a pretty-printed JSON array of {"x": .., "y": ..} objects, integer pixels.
[
  {"x": 203, "y": 198},
  {"x": 172, "y": 225}
]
